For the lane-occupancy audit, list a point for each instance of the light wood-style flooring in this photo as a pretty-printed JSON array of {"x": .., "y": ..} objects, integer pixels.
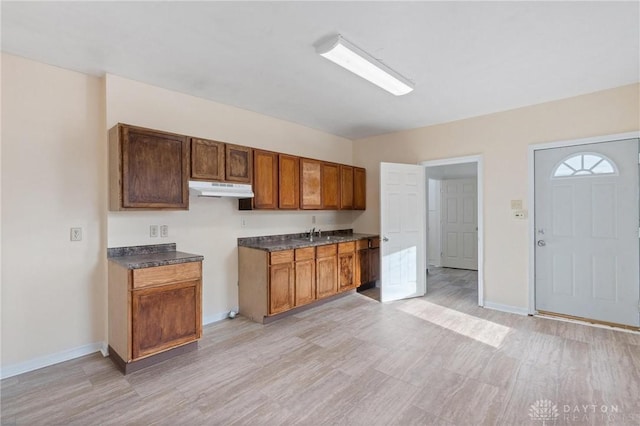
[{"x": 439, "y": 359}]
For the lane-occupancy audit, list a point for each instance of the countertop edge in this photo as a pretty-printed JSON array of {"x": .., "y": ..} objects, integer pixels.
[
  {"x": 292, "y": 245},
  {"x": 133, "y": 264}
]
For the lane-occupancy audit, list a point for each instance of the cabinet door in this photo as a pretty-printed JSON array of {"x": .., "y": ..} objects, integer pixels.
[
  {"x": 359, "y": 188},
  {"x": 346, "y": 275},
  {"x": 311, "y": 177},
  {"x": 288, "y": 181},
  {"x": 326, "y": 276},
  {"x": 155, "y": 169},
  {"x": 305, "y": 286},
  {"x": 165, "y": 316},
  {"x": 346, "y": 187},
  {"x": 362, "y": 267},
  {"x": 281, "y": 281},
  {"x": 374, "y": 264},
  {"x": 330, "y": 186},
  {"x": 265, "y": 179},
  {"x": 238, "y": 163},
  {"x": 207, "y": 159}
]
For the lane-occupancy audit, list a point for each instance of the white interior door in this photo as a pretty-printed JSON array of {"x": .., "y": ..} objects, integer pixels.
[
  {"x": 586, "y": 224},
  {"x": 434, "y": 227},
  {"x": 403, "y": 231},
  {"x": 459, "y": 201}
]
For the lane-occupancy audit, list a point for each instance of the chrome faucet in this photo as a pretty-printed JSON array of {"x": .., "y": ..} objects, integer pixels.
[
  {"x": 319, "y": 233},
  {"x": 311, "y": 232}
]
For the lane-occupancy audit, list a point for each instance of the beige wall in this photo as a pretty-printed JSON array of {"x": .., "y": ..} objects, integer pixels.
[
  {"x": 503, "y": 140},
  {"x": 211, "y": 226},
  {"x": 53, "y": 178}
]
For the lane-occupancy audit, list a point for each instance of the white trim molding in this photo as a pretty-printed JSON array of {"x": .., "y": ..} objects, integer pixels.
[
  {"x": 69, "y": 354},
  {"x": 531, "y": 196},
  {"x": 47, "y": 360},
  {"x": 506, "y": 308},
  {"x": 478, "y": 159},
  {"x": 210, "y": 319}
]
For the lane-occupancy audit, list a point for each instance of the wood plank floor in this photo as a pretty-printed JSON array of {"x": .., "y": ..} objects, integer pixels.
[{"x": 439, "y": 359}]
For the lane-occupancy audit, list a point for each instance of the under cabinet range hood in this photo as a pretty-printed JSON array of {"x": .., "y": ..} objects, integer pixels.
[{"x": 220, "y": 189}]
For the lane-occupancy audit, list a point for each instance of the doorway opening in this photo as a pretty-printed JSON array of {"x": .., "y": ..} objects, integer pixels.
[{"x": 454, "y": 217}]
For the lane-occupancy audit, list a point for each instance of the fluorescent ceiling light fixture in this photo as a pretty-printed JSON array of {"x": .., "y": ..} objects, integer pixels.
[{"x": 359, "y": 62}]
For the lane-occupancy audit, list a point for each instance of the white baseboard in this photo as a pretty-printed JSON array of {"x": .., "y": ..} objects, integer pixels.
[
  {"x": 506, "y": 308},
  {"x": 47, "y": 360},
  {"x": 210, "y": 319}
]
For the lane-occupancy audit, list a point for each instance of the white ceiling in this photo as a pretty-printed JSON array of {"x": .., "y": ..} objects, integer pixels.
[{"x": 466, "y": 58}]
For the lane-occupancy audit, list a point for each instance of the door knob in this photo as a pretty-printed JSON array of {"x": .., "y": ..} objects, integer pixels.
[
  {"x": 385, "y": 239},
  {"x": 541, "y": 243}
]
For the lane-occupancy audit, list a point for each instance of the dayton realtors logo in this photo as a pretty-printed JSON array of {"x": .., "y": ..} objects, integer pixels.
[{"x": 544, "y": 410}]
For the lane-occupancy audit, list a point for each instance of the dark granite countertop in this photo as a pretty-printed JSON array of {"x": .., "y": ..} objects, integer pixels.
[
  {"x": 294, "y": 241},
  {"x": 138, "y": 257}
]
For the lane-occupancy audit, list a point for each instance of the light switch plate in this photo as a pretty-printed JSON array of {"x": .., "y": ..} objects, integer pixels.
[
  {"x": 164, "y": 231},
  {"x": 153, "y": 231},
  {"x": 516, "y": 204}
]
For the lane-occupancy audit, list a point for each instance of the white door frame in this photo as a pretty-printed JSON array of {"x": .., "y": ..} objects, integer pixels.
[
  {"x": 479, "y": 164},
  {"x": 531, "y": 196}
]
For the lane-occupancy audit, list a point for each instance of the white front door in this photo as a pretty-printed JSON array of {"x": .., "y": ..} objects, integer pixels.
[
  {"x": 586, "y": 226},
  {"x": 403, "y": 231},
  {"x": 459, "y": 203}
]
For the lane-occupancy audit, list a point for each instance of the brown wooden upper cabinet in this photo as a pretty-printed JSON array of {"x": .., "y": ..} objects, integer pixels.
[
  {"x": 311, "y": 184},
  {"x": 265, "y": 179},
  {"x": 346, "y": 187},
  {"x": 148, "y": 169},
  {"x": 207, "y": 160},
  {"x": 359, "y": 188},
  {"x": 330, "y": 186},
  {"x": 289, "y": 181},
  {"x": 238, "y": 163}
]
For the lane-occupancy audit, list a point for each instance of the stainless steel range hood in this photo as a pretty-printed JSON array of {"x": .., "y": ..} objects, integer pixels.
[{"x": 220, "y": 189}]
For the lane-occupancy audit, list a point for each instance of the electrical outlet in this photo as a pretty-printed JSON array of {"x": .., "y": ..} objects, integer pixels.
[
  {"x": 164, "y": 231},
  {"x": 243, "y": 222},
  {"x": 520, "y": 214},
  {"x": 76, "y": 234},
  {"x": 516, "y": 204},
  {"x": 313, "y": 219},
  {"x": 153, "y": 231}
]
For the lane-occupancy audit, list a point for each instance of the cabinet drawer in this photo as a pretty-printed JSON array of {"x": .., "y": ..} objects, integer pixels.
[
  {"x": 374, "y": 242},
  {"x": 305, "y": 253},
  {"x": 326, "y": 251},
  {"x": 166, "y": 274},
  {"x": 346, "y": 247},
  {"x": 284, "y": 256},
  {"x": 362, "y": 244}
]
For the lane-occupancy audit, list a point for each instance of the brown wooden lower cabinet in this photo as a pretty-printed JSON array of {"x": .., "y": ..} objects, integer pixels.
[
  {"x": 374, "y": 264},
  {"x": 367, "y": 261},
  {"x": 346, "y": 266},
  {"x": 374, "y": 259},
  {"x": 326, "y": 270},
  {"x": 152, "y": 310},
  {"x": 281, "y": 281},
  {"x": 305, "y": 276},
  {"x": 164, "y": 317}
]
